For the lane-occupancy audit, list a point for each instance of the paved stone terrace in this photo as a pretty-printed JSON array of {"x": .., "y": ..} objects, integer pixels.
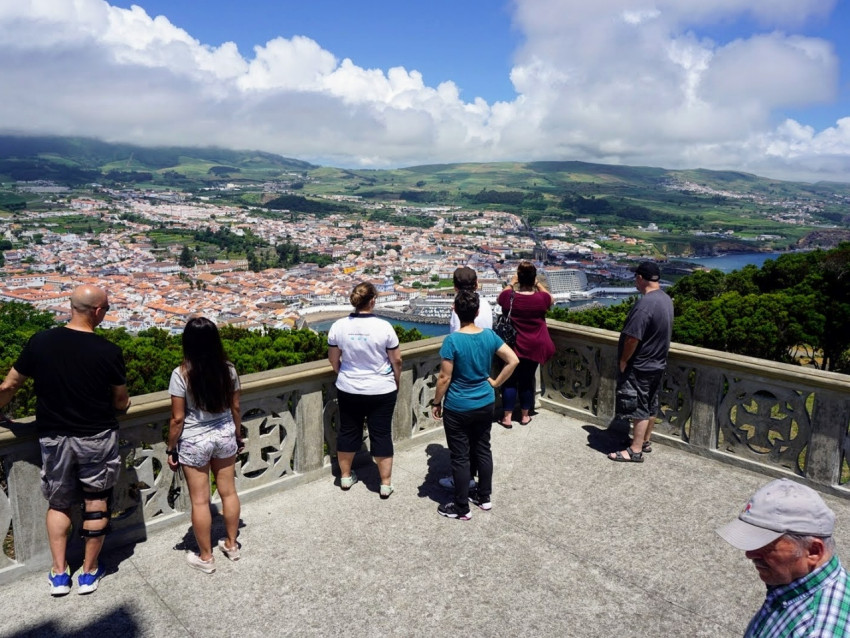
[{"x": 575, "y": 546}]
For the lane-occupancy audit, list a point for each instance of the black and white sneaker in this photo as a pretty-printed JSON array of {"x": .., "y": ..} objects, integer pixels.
[
  {"x": 483, "y": 503},
  {"x": 450, "y": 510}
]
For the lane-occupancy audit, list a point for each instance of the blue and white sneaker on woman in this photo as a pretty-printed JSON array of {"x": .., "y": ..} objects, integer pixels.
[{"x": 87, "y": 581}]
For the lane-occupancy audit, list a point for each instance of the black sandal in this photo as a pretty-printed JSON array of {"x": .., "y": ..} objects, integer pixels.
[
  {"x": 633, "y": 457},
  {"x": 646, "y": 447}
]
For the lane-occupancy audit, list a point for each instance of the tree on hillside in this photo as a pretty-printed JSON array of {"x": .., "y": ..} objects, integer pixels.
[{"x": 187, "y": 260}]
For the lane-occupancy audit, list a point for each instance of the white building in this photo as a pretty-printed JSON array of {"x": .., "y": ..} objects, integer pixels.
[{"x": 566, "y": 280}]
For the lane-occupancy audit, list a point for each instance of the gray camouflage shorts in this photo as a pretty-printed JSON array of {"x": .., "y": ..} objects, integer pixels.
[
  {"x": 73, "y": 465},
  {"x": 637, "y": 394}
]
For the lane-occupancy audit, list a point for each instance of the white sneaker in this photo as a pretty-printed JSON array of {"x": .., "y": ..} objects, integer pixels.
[
  {"x": 206, "y": 566},
  {"x": 448, "y": 482},
  {"x": 231, "y": 552}
]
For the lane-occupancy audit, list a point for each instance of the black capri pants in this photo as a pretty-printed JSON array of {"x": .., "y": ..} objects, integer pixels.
[{"x": 377, "y": 411}]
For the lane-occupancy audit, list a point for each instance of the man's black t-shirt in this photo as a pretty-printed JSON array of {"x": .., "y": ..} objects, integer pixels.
[{"x": 74, "y": 373}]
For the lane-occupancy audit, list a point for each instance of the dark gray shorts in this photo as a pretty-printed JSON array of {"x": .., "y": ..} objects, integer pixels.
[
  {"x": 637, "y": 394},
  {"x": 73, "y": 465}
]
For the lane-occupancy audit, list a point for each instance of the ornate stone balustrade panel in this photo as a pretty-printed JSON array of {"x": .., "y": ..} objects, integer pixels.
[
  {"x": 270, "y": 437},
  {"x": 145, "y": 487},
  {"x": 676, "y": 399},
  {"x": 766, "y": 422},
  {"x": 424, "y": 373},
  {"x": 573, "y": 375},
  {"x": 6, "y": 529}
]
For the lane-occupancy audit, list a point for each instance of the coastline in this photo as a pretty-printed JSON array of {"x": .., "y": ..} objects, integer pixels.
[{"x": 319, "y": 317}]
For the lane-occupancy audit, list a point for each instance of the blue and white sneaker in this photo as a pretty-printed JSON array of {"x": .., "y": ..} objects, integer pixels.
[
  {"x": 60, "y": 584},
  {"x": 87, "y": 582}
]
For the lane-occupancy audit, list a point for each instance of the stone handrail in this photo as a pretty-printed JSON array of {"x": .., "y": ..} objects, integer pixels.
[{"x": 774, "y": 418}]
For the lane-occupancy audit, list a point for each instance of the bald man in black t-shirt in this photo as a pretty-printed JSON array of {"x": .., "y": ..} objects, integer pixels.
[{"x": 80, "y": 384}]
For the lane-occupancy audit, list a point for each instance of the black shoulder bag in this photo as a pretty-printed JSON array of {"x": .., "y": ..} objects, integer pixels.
[{"x": 504, "y": 327}]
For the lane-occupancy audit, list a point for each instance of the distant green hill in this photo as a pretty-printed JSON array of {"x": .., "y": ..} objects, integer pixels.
[
  {"x": 74, "y": 160},
  {"x": 662, "y": 211},
  {"x": 557, "y": 178}
]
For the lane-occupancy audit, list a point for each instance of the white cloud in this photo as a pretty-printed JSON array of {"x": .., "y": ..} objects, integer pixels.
[{"x": 610, "y": 80}]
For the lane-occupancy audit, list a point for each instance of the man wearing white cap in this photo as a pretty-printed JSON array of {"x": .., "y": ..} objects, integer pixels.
[{"x": 786, "y": 530}]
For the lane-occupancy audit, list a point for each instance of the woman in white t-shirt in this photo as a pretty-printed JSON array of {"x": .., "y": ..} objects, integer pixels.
[
  {"x": 363, "y": 351},
  {"x": 205, "y": 433}
]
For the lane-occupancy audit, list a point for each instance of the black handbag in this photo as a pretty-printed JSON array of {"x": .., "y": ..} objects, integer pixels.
[{"x": 504, "y": 327}]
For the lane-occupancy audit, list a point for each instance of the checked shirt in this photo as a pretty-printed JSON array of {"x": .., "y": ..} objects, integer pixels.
[{"x": 816, "y": 605}]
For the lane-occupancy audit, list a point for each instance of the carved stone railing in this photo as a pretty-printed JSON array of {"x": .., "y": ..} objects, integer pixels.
[
  {"x": 774, "y": 418},
  {"x": 289, "y": 419}
]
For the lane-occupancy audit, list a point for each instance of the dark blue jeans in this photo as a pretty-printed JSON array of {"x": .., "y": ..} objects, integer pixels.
[
  {"x": 468, "y": 435},
  {"x": 521, "y": 382}
]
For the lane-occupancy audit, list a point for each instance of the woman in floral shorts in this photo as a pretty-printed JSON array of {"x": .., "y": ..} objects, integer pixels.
[{"x": 205, "y": 434}]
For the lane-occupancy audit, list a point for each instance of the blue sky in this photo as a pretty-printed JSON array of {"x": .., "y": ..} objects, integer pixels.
[
  {"x": 761, "y": 86},
  {"x": 468, "y": 41}
]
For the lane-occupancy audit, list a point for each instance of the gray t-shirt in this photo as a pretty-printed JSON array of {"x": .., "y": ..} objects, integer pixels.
[{"x": 650, "y": 322}]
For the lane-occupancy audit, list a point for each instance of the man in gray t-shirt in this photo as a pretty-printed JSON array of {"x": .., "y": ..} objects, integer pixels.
[{"x": 642, "y": 358}]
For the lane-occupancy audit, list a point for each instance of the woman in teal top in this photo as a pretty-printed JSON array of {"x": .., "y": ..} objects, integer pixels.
[{"x": 465, "y": 399}]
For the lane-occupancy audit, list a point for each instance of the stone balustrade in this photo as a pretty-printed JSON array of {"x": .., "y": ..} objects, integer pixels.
[{"x": 774, "y": 418}]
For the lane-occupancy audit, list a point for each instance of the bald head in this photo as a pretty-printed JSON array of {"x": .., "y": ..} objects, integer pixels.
[
  {"x": 88, "y": 307},
  {"x": 86, "y": 297}
]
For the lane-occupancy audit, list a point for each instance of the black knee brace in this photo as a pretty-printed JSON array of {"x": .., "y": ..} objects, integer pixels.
[{"x": 96, "y": 516}]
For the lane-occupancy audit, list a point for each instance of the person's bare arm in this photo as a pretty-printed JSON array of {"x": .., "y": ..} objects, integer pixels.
[
  {"x": 120, "y": 398},
  {"x": 629, "y": 346},
  {"x": 13, "y": 381},
  {"x": 395, "y": 361},
  {"x": 443, "y": 380},
  {"x": 236, "y": 413},
  {"x": 334, "y": 357},
  {"x": 506, "y": 354},
  {"x": 175, "y": 427}
]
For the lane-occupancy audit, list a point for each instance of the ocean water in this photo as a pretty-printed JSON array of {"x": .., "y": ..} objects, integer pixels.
[
  {"x": 427, "y": 329},
  {"x": 736, "y": 261}
]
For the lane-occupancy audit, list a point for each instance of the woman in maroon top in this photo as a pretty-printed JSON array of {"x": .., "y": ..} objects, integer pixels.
[{"x": 534, "y": 346}]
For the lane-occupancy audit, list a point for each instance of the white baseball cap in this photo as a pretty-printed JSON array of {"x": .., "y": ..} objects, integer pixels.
[{"x": 780, "y": 507}]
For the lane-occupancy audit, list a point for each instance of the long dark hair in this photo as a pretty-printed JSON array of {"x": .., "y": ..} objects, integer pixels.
[{"x": 206, "y": 367}]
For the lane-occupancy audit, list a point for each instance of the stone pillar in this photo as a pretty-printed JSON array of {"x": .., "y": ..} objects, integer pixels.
[
  {"x": 29, "y": 509},
  {"x": 707, "y": 390},
  {"x": 403, "y": 414},
  {"x": 608, "y": 369},
  {"x": 831, "y": 413},
  {"x": 310, "y": 432}
]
